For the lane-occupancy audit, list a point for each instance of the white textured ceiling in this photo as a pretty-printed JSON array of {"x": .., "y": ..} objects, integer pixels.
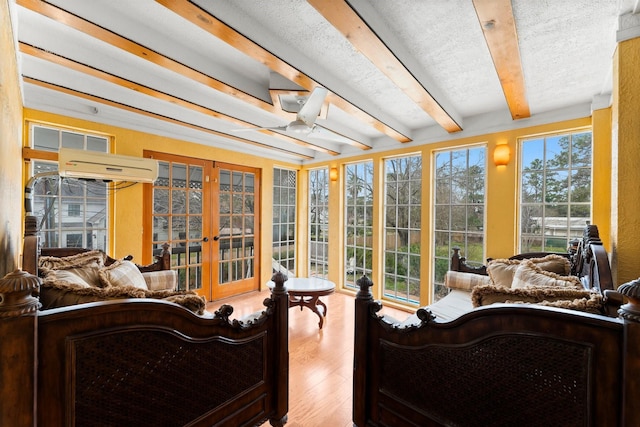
[{"x": 566, "y": 49}]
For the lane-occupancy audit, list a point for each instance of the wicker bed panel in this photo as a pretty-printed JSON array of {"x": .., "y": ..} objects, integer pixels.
[
  {"x": 114, "y": 384},
  {"x": 555, "y": 373}
]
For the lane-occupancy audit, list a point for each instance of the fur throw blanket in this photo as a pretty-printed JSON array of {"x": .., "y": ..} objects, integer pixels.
[
  {"x": 55, "y": 294},
  {"x": 575, "y": 299}
]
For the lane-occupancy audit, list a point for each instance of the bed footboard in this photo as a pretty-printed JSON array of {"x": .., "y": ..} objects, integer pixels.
[
  {"x": 141, "y": 362},
  {"x": 498, "y": 365}
]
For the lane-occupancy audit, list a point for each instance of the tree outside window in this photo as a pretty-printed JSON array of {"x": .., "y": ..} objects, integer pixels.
[
  {"x": 459, "y": 209},
  {"x": 555, "y": 190},
  {"x": 403, "y": 207}
]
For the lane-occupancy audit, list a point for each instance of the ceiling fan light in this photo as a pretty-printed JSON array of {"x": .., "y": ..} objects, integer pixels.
[{"x": 298, "y": 126}]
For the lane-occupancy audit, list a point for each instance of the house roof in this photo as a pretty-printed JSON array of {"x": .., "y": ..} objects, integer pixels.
[{"x": 396, "y": 72}]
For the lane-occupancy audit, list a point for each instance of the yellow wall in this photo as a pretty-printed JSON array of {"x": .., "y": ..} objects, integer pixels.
[
  {"x": 10, "y": 142},
  {"x": 625, "y": 178},
  {"x": 128, "y": 215},
  {"x": 601, "y": 188}
]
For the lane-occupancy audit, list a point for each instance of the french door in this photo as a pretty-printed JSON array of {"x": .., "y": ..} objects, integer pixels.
[
  {"x": 206, "y": 212},
  {"x": 235, "y": 240}
]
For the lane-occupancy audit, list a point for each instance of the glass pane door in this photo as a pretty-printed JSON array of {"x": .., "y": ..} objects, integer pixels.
[
  {"x": 180, "y": 218},
  {"x": 235, "y": 241}
]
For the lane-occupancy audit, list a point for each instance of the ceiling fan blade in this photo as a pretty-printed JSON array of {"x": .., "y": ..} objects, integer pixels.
[
  {"x": 280, "y": 128},
  {"x": 310, "y": 110}
]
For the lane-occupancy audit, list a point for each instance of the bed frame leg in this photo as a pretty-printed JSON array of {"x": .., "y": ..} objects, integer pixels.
[
  {"x": 631, "y": 371},
  {"x": 363, "y": 300},
  {"x": 18, "y": 348}
]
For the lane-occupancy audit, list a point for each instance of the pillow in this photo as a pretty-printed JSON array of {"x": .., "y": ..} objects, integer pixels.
[
  {"x": 162, "y": 279},
  {"x": 501, "y": 271},
  {"x": 122, "y": 273},
  {"x": 553, "y": 263},
  {"x": 529, "y": 274},
  {"x": 65, "y": 277},
  {"x": 89, "y": 273},
  {"x": 489, "y": 294},
  {"x": 464, "y": 281},
  {"x": 74, "y": 261}
]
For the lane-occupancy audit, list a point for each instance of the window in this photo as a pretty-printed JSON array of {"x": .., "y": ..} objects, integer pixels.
[
  {"x": 284, "y": 220},
  {"x": 71, "y": 212},
  {"x": 73, "y": 209},
  {"x": 358, "y": 216},
  {"x": 555, "y": 190},
  {"x": 403, "y": 205},
  {"x": 319, "y": 222},
  {"x": 459, "y": 197}
]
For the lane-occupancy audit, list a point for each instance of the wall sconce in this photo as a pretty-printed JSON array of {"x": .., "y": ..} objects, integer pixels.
[
  {"x": 333, "y": 174},
  {"x": 501, "y": 155}
]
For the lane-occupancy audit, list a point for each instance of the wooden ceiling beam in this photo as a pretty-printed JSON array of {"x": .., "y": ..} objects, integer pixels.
[
  {"x": 159, "y": 95},
  {"x": 340, "y": 14},
  {"x": 499, "y": 29},
  {"x": 60, "y": 15},
  {"x": 219, "y": 29},
  {"x": 119, "y": 105}
]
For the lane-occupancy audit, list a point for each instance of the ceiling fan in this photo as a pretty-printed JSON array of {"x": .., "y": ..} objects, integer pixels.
[{"x": 306, "y": 116}]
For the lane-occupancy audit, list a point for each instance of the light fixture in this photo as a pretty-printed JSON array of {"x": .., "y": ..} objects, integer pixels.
[
  {"x": 501, "y": 155},
  {"x": 333, "y": 174}
]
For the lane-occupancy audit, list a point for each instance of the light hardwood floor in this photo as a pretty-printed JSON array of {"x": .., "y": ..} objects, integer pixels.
[{"x": 320, "y": 360}]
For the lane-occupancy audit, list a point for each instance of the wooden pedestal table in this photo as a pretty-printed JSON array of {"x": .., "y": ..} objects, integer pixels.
[{"x": 306, "y": 292}]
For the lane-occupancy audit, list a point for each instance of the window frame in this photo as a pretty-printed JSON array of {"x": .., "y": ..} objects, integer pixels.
[
  {"x": 44, "y": 157},
  {"x": 282, "y": 219},
  {"x": 574, "y": 224},
  {"x": 402, "y": 260},
  {"x": 457, "y": 238},
  {"x": 318, "y": 202}
]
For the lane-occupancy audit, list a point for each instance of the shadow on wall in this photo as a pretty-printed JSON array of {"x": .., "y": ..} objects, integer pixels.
[{"x": 7, "y": 261}]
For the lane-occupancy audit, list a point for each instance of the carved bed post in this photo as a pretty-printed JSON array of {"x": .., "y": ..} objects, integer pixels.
[
  {"x": 631, "y": 371},
  {"x": 18, "y": 349},
  {"x": 31, "y": 245},
  {"x": 363, "y": 300},
  {"x": 280, "y": 298}
]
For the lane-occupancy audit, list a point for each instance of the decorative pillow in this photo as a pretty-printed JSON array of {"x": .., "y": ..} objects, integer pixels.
[
  {"x": 89, "y": 273},
  {"x": 464, "y": 281},
  {"x": 529, "y": 274},
  {"x": 501, "y": 271},
  {"x": 122, "y": 273},
  {"x": 161, "y": 280},
  {"x": 65, "y": 277},
  {"x": 553, "y": 263},
  {"x": 74, "y": 261},
  {"x": 489, "y": 294}
]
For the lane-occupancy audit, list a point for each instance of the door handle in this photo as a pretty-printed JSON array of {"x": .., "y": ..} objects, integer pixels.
[
  {"x": 206, "y": 239},
  {"x": 216, "y": 238}
]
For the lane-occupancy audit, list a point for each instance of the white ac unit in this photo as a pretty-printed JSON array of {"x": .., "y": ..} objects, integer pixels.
[{"x": 108, "y": 167}]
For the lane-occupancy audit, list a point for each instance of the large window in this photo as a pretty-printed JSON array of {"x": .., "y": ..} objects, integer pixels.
[
  {"x": 555, "y": 190},
  {"x": 319, "y": 222},
  {"x": 284, "y": 220},
  {"x": 403, "y": 205},
  {"x": 459, "y": 197},
  {"x": 70, "y": 212},
  {"x": 358, "y": 216}
]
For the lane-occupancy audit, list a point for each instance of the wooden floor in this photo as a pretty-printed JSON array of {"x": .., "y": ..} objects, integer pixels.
[{"x": 320, "y": 360}]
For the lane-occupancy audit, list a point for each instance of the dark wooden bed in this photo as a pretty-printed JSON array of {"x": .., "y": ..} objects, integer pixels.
[
  {"x": 502, "y": 364},
  {"x": 139, "y": 362}
]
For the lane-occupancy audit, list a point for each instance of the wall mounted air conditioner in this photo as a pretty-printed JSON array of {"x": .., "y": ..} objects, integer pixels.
[{"x": 108, "y": 167}]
